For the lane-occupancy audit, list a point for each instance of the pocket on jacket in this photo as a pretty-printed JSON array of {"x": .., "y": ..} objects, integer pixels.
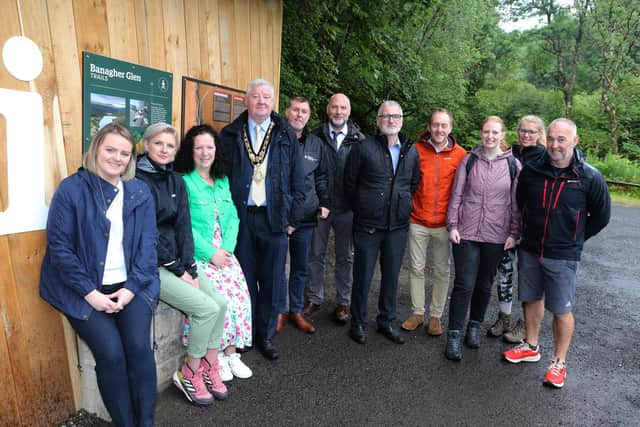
[{"x": 404, "y": 206}]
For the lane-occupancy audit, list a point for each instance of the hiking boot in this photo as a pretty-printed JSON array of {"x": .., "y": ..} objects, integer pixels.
[
  {"x": 192, "y": 385},
  {"x": 501, "y": 326},
  {"x": 472, "y": 339},
  {"x": 517, "y": 334},
  {"x": 522, "y": 353},
  {"x": 556, "y": 374},
  {"x": 412, "y": 322},
  {"x": 453, "y": 350},
  {"x": 212, "y": 380},
  {"x": 434, "y": 328}
]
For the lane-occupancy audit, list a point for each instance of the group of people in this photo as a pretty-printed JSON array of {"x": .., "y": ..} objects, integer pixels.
[{"x": 208, "y": 222}]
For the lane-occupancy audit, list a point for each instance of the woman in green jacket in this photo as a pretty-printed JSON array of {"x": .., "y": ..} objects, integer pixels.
[{"x": 214, "y": 222}]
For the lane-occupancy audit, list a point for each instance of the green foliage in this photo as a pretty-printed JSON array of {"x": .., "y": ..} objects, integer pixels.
[
  {"x": 618, "y": 168},
  {"x": 420, "y": 54},
  {"x": 438, "y": 53}
]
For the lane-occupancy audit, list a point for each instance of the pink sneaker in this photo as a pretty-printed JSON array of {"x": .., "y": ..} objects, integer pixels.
[
  {"x": 556, "y": 374},
  {"x": 522, "y": 353},
  {"x": 192, "y": 385},
  {"x": 212, "y": 379}
]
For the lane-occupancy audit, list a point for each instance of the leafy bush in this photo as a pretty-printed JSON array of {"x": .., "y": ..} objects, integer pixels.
[{"x": 617, "y": 168}]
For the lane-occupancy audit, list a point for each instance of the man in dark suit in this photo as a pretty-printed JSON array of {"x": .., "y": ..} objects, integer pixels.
[{"x": 266, "y": 179}]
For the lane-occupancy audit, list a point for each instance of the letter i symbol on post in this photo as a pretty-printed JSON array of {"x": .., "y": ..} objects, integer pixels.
[{"x": 23, "y": 114}]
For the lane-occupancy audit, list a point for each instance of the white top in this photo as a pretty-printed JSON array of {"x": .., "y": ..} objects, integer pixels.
[{"x": 115, "y": 269}]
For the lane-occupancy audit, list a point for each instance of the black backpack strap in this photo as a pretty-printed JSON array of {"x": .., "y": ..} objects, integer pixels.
[
  {"x": 513, "y": 166},
  {"x": 470, "y": 162}
]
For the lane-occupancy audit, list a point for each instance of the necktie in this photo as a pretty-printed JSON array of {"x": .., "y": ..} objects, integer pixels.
[
  {"x": 334, "y": 138},
  {"x": 258, "y": 142},
  {"x": 258, "y": 192}
]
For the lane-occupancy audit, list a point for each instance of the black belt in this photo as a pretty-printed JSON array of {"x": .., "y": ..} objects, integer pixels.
[{"x": 257, "y": 209}]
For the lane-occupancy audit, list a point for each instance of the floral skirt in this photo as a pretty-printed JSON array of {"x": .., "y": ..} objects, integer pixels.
[{"x": 230, "y": 282}]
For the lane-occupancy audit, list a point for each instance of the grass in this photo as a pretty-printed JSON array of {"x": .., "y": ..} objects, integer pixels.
[
  {"x": 624, "y": 197},
  {"x": 617, "y": 168}
]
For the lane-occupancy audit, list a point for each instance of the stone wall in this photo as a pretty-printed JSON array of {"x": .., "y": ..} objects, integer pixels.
[{"x": 169, "y": 356}]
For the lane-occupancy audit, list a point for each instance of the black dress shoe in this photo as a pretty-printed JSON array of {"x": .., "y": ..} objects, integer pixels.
[
  {"x": 358, "y": 334},
  {"x": 391, "y": 333},
  {"x": 268, "y": 350}
]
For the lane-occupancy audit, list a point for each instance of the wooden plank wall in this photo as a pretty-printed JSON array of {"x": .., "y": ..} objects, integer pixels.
[{"x": 228, "y": 42}]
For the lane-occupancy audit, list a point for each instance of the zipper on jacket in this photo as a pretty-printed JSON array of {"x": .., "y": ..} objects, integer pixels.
[
  {"x": 575, "y": 232},
  {"x": 546, "y": 204}
]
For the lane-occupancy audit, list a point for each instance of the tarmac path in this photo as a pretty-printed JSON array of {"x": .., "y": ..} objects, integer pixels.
[{"x": 326, "y": 379}]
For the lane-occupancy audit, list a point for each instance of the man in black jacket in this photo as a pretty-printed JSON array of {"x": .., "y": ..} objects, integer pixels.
[
  {"x": 380, "y": 177},
  {"x": 564, "y": 201},
  {"x": 338, "y": 134},
  {"x": 266, "y": 180},
  {"x": 316, "y": 202}
]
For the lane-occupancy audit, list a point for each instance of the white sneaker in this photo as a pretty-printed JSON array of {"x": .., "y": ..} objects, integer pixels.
[
  {"x": 238, "y": 368},
  {"x": 223, "y": 367}
]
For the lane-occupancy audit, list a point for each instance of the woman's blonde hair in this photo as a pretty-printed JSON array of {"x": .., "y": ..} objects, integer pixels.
[
  {"x": 161, "y": 127},
  {"x": 89, "y": 159},
  {"x": 539, "y": 124}
]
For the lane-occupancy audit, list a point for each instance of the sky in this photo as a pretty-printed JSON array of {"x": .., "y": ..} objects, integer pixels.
[{"x": 528, "y": 23}]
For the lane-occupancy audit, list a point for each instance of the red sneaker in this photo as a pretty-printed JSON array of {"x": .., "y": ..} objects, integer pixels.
[
  {"x": 556, "y": 374},
  {"x": 522, "y": 353}
]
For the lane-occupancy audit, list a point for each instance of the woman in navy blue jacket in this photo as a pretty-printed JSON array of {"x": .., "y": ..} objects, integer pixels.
[{"x": 100, "y": 271}]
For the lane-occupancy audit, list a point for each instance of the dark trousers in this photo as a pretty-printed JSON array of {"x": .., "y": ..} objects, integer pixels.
[
  {"x": 261, "y": 254},
  {"x": 125, "y": 366},
  {"x": 299, "y": 244},
  {"x": 368, "y": 244},
  {"x": 342, "y": 223},
  {"x": 476, "y": 264}
]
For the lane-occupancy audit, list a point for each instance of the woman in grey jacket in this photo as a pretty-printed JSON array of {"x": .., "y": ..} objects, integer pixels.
[{"x": 483, "y": 220}]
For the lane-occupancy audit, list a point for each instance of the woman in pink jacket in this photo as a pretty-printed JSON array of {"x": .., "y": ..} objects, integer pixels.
[{"x": 483, "y": 220}]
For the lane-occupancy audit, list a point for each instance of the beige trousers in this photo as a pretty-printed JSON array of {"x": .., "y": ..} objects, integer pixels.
[{"x": 419, "y": 237}]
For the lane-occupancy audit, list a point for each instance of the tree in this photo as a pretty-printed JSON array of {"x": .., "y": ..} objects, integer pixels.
[
  {"x": 422, "y": 54},
  {"x": 615, "y": 34},
  {"x": 563, "y": 35}
]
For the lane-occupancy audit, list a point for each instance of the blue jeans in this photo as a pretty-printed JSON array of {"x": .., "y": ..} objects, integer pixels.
[
  {"x": 299, "y": 244},
  {"x": 125, "y": 367}
]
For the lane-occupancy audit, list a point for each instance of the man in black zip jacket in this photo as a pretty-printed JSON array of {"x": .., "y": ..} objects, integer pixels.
[
  {"x": 314, "y": 207},
  {"x": 338, "y": 135},
  {"x": 564, "y": 201},
  {"x": 380, "y": 177}
]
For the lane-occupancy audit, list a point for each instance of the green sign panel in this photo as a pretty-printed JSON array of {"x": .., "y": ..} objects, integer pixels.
[{"x": 131, "y": 94}]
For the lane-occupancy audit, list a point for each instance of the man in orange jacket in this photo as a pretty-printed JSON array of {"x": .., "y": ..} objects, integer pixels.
[{"x": 440, "y": 156}]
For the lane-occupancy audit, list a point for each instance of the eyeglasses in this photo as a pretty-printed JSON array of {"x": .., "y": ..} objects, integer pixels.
[
  {"x": 527, "y": 131},
  {"x": 390, "y": 116}
]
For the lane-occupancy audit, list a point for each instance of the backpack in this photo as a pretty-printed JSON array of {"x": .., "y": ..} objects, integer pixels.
[{"x": 513, "y": 167}]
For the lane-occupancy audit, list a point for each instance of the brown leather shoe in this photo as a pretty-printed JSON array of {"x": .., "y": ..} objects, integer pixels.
[
  {"x": 342, "y": 313},
  {"x": 412, "y": 322},
  {"x": 433, "y": 327},
  {"x": 310, "y": 308},
  {"x": 301, "y": 323},
  {"x": 282, "y": 319}
]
